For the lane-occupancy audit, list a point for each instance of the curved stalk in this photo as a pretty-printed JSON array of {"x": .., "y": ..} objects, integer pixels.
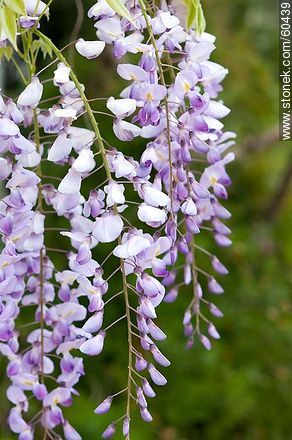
[
  {"x": 87, "y": 106},
  {"x": 41, "y": 276},
  {"x": 160, "y": 68},
  {"x": 195, "y": 301},
  {"x": 130, "y": 343}
]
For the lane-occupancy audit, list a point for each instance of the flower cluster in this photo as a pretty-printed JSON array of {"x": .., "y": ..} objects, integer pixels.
[
  {"x": 170, "y": 99},
  {"x": 179, "y": 182}
]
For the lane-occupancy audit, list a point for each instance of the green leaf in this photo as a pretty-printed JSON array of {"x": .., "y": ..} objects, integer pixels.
[
  {"x": 17, "y": 6},
  {"x": 8, "y": 24},
  {"x": 191, "y": 6},
  {"x": 6, "y": 52},
  {"x": 119, "y": 7},
  {"x": 43, "y": 47},
  {"x": 195, "y": 16},
  {"x": 200, "y": 25}
]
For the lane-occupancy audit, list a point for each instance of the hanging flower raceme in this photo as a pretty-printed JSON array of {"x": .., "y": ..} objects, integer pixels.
[
  {"x": 174, "y": 191},
  {"x": 184, "y": 160}
]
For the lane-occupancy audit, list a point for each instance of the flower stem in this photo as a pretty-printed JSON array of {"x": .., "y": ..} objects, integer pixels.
[
  {"x": 160, "y": 68},
  {"x": 130, "y": 342},
  {"x": 41, "y": 276},
  {"x": 87, "y": 106}
]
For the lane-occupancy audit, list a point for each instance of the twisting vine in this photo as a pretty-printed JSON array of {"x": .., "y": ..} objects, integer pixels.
[{"x": 173, "y": 191}]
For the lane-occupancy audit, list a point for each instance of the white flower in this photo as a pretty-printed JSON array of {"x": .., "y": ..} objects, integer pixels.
[
  {"x": 121, "y": 107},
  {"x": 65, "y": 113},
  {"x": 189, "y": 207},
  {"x": 150, "y": 214},
  {"x": 38, "y": 221},
  {"x": 217, "y": 110},
  {"x": 201, "y": 51},
  {"x": 154, "y": 196},
  {"x": 80, "y": 137},
  {"x": 132, "y": 247},
  {"x": 71, "y": 183},
  {"x": 60, "y": 149},
  {"x": 132, "y": 72},
  {"x": 5, "y": 168},
  {"x": 109, "y": 29},
  {"x": 122, "y": 167},
  {"x": 84, "y": 162},
  {"x": 29, "y": 160},
  {"x": 8, "y": 128},
  {"x": 125, "y": 131},
  {"x": 61, "y": 74},
  {"x": 94, "y": 345},
  {"x": 31, "y": 95},
  {"x": 89, "y": 49},
  {"x": 213, "y": 123},
  {"x": 34, "y": 7},
  {"x": 115, "y": 194},
  {"x": 107, "y": 228},
  {"x": 163, "y": 21},
  {"x": 101, "y": 8}
]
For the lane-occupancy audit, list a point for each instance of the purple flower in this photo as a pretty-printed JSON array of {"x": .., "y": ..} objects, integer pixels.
[
  {"x": 105, "y": 406},
  {"x": 110, "y": 431},
  {"x": 156, "y": 376}
]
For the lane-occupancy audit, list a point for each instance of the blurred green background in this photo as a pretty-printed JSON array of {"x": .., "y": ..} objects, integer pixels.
[{"x": 242, "y": 388}]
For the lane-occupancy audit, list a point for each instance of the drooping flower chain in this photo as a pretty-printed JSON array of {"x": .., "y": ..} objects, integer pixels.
[{"x": 179, "y": 182}]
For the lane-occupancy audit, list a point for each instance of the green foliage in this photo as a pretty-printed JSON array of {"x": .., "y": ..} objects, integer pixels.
[
  {"x": 17, "y": 6},
  {"x": 9, "y": 10},
  {"x": 40, "y": 45},
  {"x": 195, "y": 15},
  {"x": 120, "y": 8},
  {"x": 6, "y": 52},
  {"x": 8, "y": 24}
]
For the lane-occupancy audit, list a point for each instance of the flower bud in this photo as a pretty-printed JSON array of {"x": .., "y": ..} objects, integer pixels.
[
  {"x": 109, "y": 432},
  {"x": 39, "y": 391},
  {"x": 159, "y": 357},
  {"x": 70, "y": 433},
  {"x": 148, "y": 390},
  {"x": 104, "y": 406},
  {"x": 159, "y": 268},
  {"x": 215, "y": 311},
  {"x": 214, "y": 286},
  {"x": 183, "y": 247},
  {"x": 142, "y": 324},
  {"x": 205, "y": 342},
  {"x": 142, "y": 402},
  {"x": 188, "y": 329},
  {"x": 213, "y": 331},
  {"x": 140, "y": 363},
  {"x": 156, "y": 376},
  {"x": 126, "y": 426},
  {"x": 171, "y": 295},
  {"x": 155, "y": 331},
  {"x": 145, "y": 414},
  {"x": 218, "y": 266},
  {"x": 146, "y": 308},
  {"x": 222, "y": 240}
]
